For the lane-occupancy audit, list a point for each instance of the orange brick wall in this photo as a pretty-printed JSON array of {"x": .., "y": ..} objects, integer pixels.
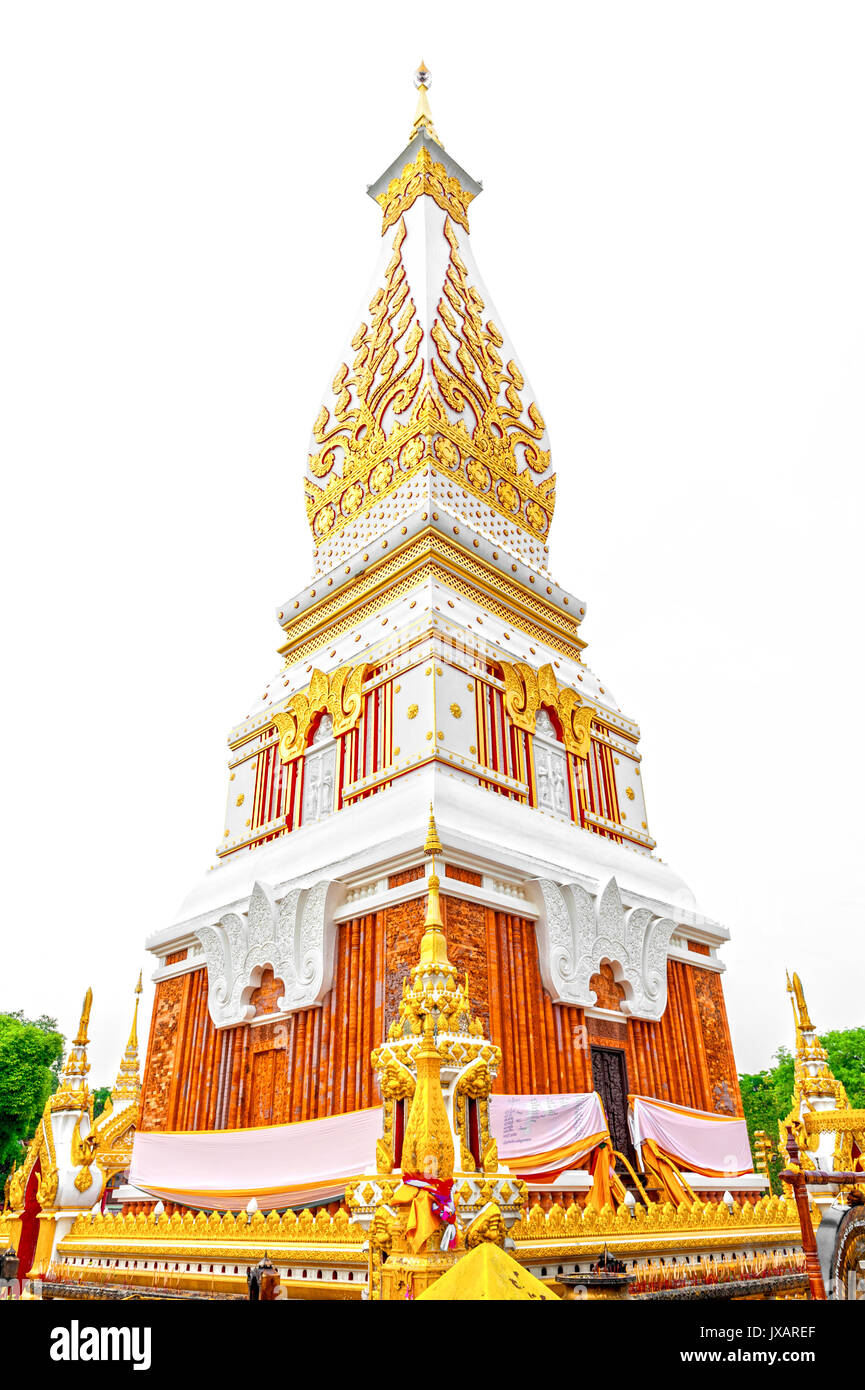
[
  {"x": 539, "y": 1040},
  {"x": 687, "y": 1057},
  {"x": 316, "y": 1062}
]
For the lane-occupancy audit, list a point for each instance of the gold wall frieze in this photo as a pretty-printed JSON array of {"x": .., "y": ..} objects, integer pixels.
[
  {"x": 424, "y": 175},
  {"x": 146, "y": 1235},
  {"x": 703, "y": 1224},
  {"x": 339, "y": 694}
]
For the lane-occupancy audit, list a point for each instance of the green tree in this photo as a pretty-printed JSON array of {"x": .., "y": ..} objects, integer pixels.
[
  {"x": 767, "y": 1095},
  {"x": 31, "y": 1051},
  {"x": 100, "y": 1098}
]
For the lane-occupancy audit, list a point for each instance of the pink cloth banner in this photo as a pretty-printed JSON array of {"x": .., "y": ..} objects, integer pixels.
[
  {"x": 545, "y": 1134},
  {"x": 714, "y": 1145}
]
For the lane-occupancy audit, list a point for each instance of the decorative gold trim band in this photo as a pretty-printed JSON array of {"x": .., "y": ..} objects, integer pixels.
[
  {"x": 561, "y": 628},
  {"x": 829, "y": 1121}
]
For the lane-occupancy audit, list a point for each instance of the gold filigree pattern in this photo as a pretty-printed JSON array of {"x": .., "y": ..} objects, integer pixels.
[
  {"x": 339, "y": 694},
  {"x": 393, "y": 410},
  {"x": 384, "y": 377},
  {"x": 424, "y": 175},
  {"x": 471, "y": 377}
]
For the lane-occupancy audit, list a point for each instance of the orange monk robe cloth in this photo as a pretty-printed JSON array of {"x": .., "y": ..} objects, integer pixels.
[
  {"x": 606, "y": 1190},
  {"x": 666, "y": 1174},
  {"x": 422, "y": 1221},
  {"x": 310, "y": 1162}
]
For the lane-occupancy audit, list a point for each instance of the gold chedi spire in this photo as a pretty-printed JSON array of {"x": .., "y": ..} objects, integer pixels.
[
  {"x": 815, "y": 1088},
  {"x": 423, "y": 121},
  {"x": 73, "y": 1092},
  {"x": 414, "y": 1235},
  {"x": 128, "y": 1083}
]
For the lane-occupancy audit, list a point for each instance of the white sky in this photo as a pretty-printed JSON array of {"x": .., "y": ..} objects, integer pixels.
[{"x": 672, "y": 227}]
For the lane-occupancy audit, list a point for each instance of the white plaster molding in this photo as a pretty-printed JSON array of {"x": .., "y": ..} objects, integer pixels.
[
  {"x": 293, "y": 935},
  {"x": 577, "y": 930}
]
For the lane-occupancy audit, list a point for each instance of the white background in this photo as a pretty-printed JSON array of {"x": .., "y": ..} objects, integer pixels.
[{"x": 672, "y": 227}]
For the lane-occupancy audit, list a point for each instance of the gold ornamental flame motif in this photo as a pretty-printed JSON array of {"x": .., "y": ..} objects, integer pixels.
[
  {"x": 446, "y": 401},
  {"x": 340, "y": 694},
  {"x": 422, "y": 175},
  {"x": 526, "y": 690}
]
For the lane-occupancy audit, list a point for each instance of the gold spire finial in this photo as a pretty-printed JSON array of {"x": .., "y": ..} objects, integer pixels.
[
  {"x": 81, "y": 1039},
  {"x": 812, "y": 1074},
  {"x": 793, "y": 1004},
  {"x": 799, "y": 993},
  {"x": 423, "y": 120},
  {"x": 128, "y": 1083},
  {"x": 133, "y": 1036},
  {"x": 73, "y": 1093}
]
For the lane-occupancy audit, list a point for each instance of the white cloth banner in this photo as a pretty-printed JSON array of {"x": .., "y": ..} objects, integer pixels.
[
  {"x": 543, "y": 1134},
  {"x": 310, "y": 1162},
  {"x": 715, "y": 1145},
  {"x": 281, "y": 1165}
]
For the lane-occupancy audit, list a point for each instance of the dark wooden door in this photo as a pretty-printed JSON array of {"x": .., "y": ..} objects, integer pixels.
[{"x": 610, "y": 1080}]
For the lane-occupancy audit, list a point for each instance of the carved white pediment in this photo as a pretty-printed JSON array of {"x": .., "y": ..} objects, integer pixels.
[
  {"x": 578, "y": 930},
  {"x": 290, "y": 933}
]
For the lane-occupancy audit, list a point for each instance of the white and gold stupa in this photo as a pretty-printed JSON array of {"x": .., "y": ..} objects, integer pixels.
[
  {"x": 432, "y": 658},
  {"x": 551, "y": 967}
]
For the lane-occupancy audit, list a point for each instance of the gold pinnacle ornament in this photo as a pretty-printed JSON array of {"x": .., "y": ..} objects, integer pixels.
[{"x": 423, "y": 120}]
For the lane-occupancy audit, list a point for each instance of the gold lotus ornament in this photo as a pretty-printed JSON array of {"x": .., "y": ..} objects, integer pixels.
[{"x": 351, "y": 499}]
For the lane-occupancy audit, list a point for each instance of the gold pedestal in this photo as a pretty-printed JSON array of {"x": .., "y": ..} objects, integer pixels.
[{"x": 406, "y": 1275}]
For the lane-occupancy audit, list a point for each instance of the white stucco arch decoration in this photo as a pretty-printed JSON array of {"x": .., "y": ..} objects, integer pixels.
[
  {"x": 289, "y": 932},
  {"x": 577, "y": 930}
]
